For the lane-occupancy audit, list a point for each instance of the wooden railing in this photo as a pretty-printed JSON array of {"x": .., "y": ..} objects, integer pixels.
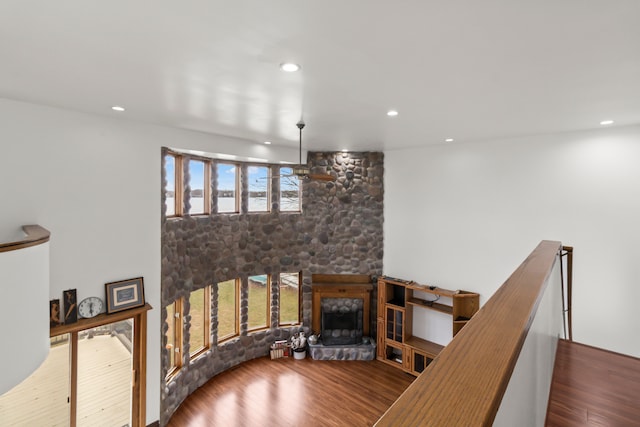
[
  {"x": 35, "y": 235},
  {"x": 465, "y": 384}
]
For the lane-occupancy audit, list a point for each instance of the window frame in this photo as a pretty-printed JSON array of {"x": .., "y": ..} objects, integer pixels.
[
  {"x": 211, "y": 191},
  {"x": 267, "y": 305},
  {"x": 299, "y": 321},
  {"x": 178, "y": 185},
  {"x": 236, "y": 305},
  {"x": 236, "y": 192},
  {"x": 267, "y": 186},
  {"x": 194, "y": 354},
  {"x": 178, "y": 327},
  {"x": 206, "y": 190},
  {"x": 281, "y": 175}
]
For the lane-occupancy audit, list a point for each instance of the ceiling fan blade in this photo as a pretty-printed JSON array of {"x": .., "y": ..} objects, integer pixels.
[{"x": 321, "y": 177}]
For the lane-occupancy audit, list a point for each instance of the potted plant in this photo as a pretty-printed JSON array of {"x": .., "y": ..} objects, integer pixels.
[{"x": 299, "y": 345}]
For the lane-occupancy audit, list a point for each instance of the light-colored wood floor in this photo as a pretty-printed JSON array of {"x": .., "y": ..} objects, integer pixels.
[
  {"x": 104, "y": 388},
  {"x": 593, "y": 387},
  {"x": 288, "y": 392}
]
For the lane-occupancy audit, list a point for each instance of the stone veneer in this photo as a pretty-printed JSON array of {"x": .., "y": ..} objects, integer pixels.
[
  {"x": 338, "y": 231},
  {"x": 343, "y": 352}
]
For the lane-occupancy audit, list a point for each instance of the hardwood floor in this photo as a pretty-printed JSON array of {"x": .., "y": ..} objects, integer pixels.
[
  {"x": 593, "y": 387},
  {"x": 287, "y": 392}
]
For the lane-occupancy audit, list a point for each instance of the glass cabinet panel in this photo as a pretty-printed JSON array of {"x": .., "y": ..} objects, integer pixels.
[
  {"x": 395, "y": 318},
  {"x": 398, "y": 322},
  {"x": 418, "y": 362}
]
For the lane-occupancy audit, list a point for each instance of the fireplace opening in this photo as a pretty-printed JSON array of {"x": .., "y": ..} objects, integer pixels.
[{"x": 341, "y": 321}]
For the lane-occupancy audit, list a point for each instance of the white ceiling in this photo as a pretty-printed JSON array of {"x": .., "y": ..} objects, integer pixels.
[{"x": 463, "y": 69}]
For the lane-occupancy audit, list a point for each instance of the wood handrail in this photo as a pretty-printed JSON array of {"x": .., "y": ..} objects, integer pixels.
[
  {"x": 35, "y": 235},
  {"x": 465, "y": 384}
]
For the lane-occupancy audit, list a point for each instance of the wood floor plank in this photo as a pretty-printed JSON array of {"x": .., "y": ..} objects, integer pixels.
[
  {"x": 287, "y": 392},
  {"x": 593, "y": 387}
]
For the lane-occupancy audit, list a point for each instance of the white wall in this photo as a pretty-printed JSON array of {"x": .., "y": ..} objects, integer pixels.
[
  {"x": 463, "y": 216},
  {"x": 526, "y": 399},
  {"x": 24, "y": 278},
  {"x": 94, "y": 183}
]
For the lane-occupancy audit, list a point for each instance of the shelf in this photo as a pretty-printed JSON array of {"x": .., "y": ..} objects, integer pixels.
[
  {"x": 99, "y": 320},
  {"x": 424, "y": 345},
  {"x": 436, "y": 290},
  {"x": 396, "y": 301},
  {"x": 443, "y": 308}
]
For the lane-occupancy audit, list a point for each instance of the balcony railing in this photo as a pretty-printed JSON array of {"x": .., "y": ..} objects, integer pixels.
[{"x": 494, "y": 358}]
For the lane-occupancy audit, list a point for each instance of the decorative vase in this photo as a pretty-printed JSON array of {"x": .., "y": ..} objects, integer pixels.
[{"x": 299, "y": 354}]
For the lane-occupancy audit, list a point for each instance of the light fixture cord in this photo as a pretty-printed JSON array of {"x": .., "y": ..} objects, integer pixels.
[{"x": 300, "y": 125}]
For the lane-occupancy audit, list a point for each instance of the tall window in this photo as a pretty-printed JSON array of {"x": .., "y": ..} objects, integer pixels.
[
  {"x": 258, "y": 316},
  {"x": 289, "y": 191},
  {"x": 289, "y": 286},
  {"x": 228, "y": 299},
  {"x": 199, "y": 183},
  {"x": 174, "y": 337},
  {"x": 200, "y": 321},
  {"x": 258, "y": 177},
  {"x": 170, "y": 189},
  {"x": 227, "y": 190}
]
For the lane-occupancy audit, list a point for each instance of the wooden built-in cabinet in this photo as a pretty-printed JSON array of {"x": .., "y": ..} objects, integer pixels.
[{"x": 397, "y": 300}]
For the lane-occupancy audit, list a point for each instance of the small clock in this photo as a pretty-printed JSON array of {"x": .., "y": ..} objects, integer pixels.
[{"x": 90, "y": 307}]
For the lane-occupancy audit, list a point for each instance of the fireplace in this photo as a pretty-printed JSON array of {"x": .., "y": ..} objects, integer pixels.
[
  {"x": 341, "y": 321},
  {"x": 340, "y": 312},
  {"x": 341, "y": 305}
]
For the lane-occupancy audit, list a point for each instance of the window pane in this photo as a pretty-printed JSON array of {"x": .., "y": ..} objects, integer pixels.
[
  {"x": 289, "y": 191},
  {"x": 198, "y": 329},
  {"x": 41, "y": 399},
  {"x": 171, "y": 336},
  {"x": 196, "y": 182},
  {"x": 227, "y": 315},
  {"x": 258, "y": 188},
  {"x": 258, "y": 291},
  {"x": 227, "y": 187},
  {"x": 170, "y": 191},
  {"x": 105, "y": 361},
  {"x": 289, "y": 298}
]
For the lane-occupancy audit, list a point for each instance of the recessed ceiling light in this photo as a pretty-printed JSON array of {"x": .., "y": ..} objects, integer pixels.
[
  {"x": 289, "y": 67},
  {"x": 344, "y": 150},
  {"x": 267, "y": 142},
  {"x": 117, "y": 108},
  {"x": 606, "y": 122},
  {"x": 448, "y": 140},
  {"x": 392, "y": 113}
]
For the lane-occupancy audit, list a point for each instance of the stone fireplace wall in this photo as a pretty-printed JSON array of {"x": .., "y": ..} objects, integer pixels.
[{"x": 338, "y": 231}]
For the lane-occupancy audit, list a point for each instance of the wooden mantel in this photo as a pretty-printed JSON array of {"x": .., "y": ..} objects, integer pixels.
[{"x": 340, "y": 286}]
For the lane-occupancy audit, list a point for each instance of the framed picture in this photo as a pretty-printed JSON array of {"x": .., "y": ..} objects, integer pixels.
[
  {"x": 54, "y": 313},
  {"x": 70, "y": 306},
  {"x": 124, "y": 294}
]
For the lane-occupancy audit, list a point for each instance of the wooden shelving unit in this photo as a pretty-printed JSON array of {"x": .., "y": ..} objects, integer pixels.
[{"x": 397, "y": 299}]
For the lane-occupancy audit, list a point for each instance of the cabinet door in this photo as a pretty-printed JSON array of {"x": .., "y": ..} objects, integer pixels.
[
  {"x": 419, "y": 361},
  {"x": 407, "y": 360},
  {"x": 380, "y": 338},
  {"x": 394, "y": 319}
]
